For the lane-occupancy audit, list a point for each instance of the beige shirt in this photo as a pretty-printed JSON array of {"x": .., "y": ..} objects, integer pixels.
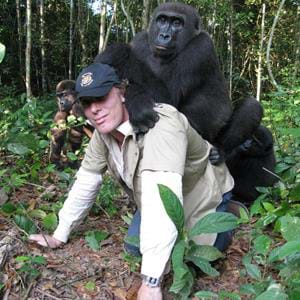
[{"x": 172, "y": 145}]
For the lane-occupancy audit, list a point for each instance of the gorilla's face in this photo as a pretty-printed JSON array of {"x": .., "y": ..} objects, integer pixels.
[
  {"x": 170, "y": 31},
  {"x": 65, "y": 100}
]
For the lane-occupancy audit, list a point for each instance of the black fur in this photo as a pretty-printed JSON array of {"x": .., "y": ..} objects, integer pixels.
[{"x": 175, "y": 62}]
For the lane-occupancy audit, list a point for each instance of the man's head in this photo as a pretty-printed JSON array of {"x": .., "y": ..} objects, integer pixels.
[{"x": 97, "y": 88}]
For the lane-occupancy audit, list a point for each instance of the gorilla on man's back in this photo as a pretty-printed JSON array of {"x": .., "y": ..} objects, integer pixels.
[{"x": 175, "y": 62}]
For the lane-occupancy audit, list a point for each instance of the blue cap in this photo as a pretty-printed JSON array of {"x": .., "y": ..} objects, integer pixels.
[{"x": 96, "y": 80}]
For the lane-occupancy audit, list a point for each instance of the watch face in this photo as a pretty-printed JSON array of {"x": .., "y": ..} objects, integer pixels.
[{"x": 151, "y": 281}]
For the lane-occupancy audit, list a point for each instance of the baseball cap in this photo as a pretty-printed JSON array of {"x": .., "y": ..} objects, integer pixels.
[{"x": 96, "y": 80}]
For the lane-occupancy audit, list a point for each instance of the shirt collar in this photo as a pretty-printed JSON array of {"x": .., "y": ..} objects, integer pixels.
[{"x": 125, "y": 128}]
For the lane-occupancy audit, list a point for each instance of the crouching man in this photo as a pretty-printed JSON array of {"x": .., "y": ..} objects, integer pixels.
[{"x": 171, "y": 153}]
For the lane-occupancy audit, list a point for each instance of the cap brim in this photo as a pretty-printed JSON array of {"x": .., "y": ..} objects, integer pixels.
[{"x": 96, "y": 92}]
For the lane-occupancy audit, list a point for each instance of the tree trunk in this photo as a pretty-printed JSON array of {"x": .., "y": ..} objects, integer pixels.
[
  {"x": 82, "y": 17},
  {"x": 146, "y": 14},
  {"x": 71, "y": 29},
  {"x": 114, "y": 13},
  {"x": 102, "y": 26},
  {"x": 28, "y": 49},
  {"x": 297, "y": 46},
  {"x": 260, "y": 53},
  {"x": 128, "y": 18},
  {"x": 42, "y": 37},
  {"x": 230, "y": 49},
  {"x": 21, "y": 66},
  {"x": 273, "y": 81}
]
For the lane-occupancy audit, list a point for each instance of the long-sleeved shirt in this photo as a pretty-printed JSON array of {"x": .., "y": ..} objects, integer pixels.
[{"x": 171, "y": 153}]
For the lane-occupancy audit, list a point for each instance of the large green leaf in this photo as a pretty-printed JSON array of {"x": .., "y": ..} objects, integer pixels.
[
  {"x": 290, "y": 227},
  {"x": 2, "y": 52},
  {"x": 274, "y": 293},
  {"x": 209, "y": 253},
  {"x": 50, "y": 221},
  {"x": 204, "y": 266},
  {"x": 288, "y": 248},
  {"x": 18, "y": 148},
  {"x": 295, "y": 193},
  {"x": 178, "y": 259},
  {"x": 172, "y": 206},
  {"x": 26, "y": 224},
  {"x": 262, "y": 244},
  {"x": 214, "y": 223}
]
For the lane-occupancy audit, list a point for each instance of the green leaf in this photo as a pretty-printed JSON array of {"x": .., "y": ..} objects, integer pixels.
[
  {"x": 8, "y": 208},
  {"x": 172, "y": 206},
  {"x": 43, "y": 144},
  {"x": 37, "y": 213},
  {"x": 214, "y": 223},
  {"x": 268, "y": 207},
  {"x": 262, "y": 244},
  {"x": 204, "y": 266},
  {"x": 295, "y": 193},
  {"x": 26, "y": 224},
  {"x": 90, "y": 286},
  {"x": 183, "y": 285},
  {"x": 132, "y": 240},
  {"x": 209, "y": 253},
  {"x": 50, "y": 222},
  {"x": 247, "y": 289},
  {"x": 273, "y": 293},
  {"x": 295, "y": 132},
  {"x": 39, "y": 260},
  {"x": 288, "y": 248},
  {"x": 72, "y": 156},
  {"x": 22, "y": 258},
  {"x": 178, "y": 259},
  {"x": 290, "y": 227},
  {"x": 19, "y": 149},
  {"x": 2, "y": 52},
  {"x": 252, "y": 270},
  {"x": 206, "y": 295},
  {"x": 281, "y": 167},
  {"x": 94, "y": 238},
  {"x": 228, "y": 295}
]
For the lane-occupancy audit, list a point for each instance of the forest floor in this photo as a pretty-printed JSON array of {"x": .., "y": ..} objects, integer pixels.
[{"x": 75, "y": 271}]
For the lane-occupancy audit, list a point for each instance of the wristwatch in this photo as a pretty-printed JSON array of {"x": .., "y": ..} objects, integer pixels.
[{"x": 151, "y": 281}]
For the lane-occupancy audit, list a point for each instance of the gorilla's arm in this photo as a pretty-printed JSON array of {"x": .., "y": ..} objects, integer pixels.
[{"x": 244, "y": 121}]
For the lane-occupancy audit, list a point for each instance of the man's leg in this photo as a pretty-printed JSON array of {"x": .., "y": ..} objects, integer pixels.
[{"x": 134, "y": 231}]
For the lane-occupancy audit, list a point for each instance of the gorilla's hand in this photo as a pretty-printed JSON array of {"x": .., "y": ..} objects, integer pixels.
[
  {"x": 216, "y": 156},
  {"x": 140, "y": 106}
]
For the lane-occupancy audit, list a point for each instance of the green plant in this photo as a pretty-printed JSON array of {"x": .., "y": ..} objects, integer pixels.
[
  {"x": 28, "y": 265},
  {"x": 95, "y": 237},
  {"x": 186, "y": 250},
  {"x": 110, "y": 190}
]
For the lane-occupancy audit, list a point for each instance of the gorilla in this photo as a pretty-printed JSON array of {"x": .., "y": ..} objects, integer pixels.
[
  {"x": 175, "y": 62},
  {"x": 67, "y": 106}
]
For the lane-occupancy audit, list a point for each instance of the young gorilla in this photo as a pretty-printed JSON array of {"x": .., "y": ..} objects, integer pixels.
[
  {"x": 175, "y": 63},
  {"x": 67, "y": 105}
]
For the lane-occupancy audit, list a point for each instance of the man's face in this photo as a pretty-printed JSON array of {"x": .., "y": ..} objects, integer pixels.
[{"x": 108, "y": 112}]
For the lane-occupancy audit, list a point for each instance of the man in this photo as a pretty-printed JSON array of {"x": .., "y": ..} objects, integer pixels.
[{"x": 171, "y": 153}]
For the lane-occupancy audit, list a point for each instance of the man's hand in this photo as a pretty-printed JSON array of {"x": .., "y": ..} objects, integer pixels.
[
  {"x": 149, "y": 293},
  {"x": 46, "y": 240}
]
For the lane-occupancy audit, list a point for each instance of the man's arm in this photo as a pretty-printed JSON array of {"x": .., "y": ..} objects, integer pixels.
[
  {"x": 158, "y": 232},
  {"x": 80, "y": 200}
]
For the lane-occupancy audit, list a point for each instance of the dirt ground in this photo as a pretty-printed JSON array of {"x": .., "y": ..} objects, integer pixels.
[{"x": 75, "y": 271}]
